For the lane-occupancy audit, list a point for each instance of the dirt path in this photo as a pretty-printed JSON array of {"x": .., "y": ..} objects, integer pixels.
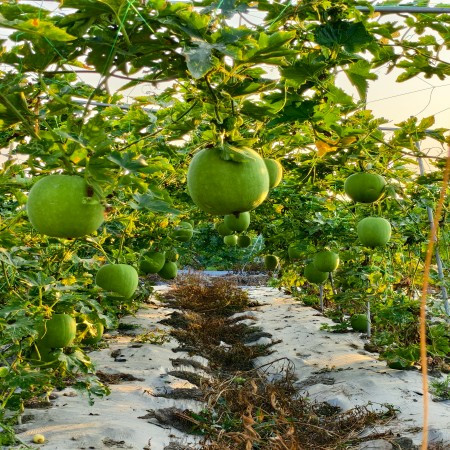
[{"x": 329, "y": 367}]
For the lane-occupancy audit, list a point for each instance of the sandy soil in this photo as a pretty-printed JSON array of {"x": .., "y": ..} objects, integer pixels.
[{"x": 330, "y": 367}]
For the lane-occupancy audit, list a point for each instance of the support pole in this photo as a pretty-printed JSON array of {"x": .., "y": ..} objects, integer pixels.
[
  {"x": 369, "y": 321},
  {"x": 438, "y": 256},
  {"x": 321, "y": 296}
]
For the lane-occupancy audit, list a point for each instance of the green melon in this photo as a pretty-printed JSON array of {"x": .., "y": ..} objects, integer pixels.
[
  {"x": 169, "y": 271},
  {"x": 58, "y": 332},
  {"x": 275, "y": 170},
  {"x": 295, "y": 251},
  {"x": 374, "y": 231},
  {"x": 60, "y": 206},
  {"x": 152, "y": 262},
  {"x": 359, "y": 322},
  {"x": 237, "y": 223},
  {"x": 121, "y": 279},
  {"x": 326, "y": 261},
  {"x": 94, "y": 334},
  {"x": 172, "y": 255},
  {"x": 224, "y": 187},
  {"x": 231, "y": 240},
  {"x": 43, "y": 356},
  {"x": 244, "y": 241},
  {"x": 313, "y": 275},
  {"x": 364, "y": 187},
  {"x": 183, "y": 232},
  {"x": 222, "y": 229},
  {"x": 270, "y": 262}
]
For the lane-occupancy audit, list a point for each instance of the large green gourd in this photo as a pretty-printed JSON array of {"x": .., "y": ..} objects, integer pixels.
[
  {"x": 62, "y": 206},
  {"x": 374, "y": 231},
  {"x": 359, "y": 322},
  {"x": 169, "y": 271},
  {"x": 364, "y": 187},
  {"x": 58, "y": 332},
  {"x": 237, "y": 223},
  {"x": 222, "y": 229},
  {"x": 152, "y": 262},
  {"x": 183, "y": 232},
  {"x": 121, "y": 279},
  {"x": 220, "y": 187},
  {"x": 270, "y": 262},
  {"x": 231, "y": 240},
  {"x": 244, "y": 241},
  {"x": 275, "y": 170},
  {"x": 313, "y": 275},
  {"x": 326, "y": 261},
  {"x": 94, "y": 335}
]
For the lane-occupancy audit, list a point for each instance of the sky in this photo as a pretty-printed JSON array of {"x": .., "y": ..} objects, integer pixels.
[{"x": 393, "y": 101}]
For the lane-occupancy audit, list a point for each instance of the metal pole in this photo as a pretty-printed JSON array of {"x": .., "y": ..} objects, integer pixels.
[
  {"x": 369, "y": 321},
  {"x": 438, "y": 256},
  {"x": 321, "y": 296},
  {"x": 406, "y": 9}
]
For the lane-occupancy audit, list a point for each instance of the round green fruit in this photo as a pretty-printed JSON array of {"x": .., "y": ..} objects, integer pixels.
[
  {"x": 231, "y": 240},
  {"x": 43, "y": 356},
  {"x": 152, "y": 262},
  {"x": 172, "y": 255},
  {"x": 270, "y": 262},
  {"x": 169, "y": 271},
  {"x": 220, "y": 187},
  {"x": 58, "y": 332},
  {"x": 326, "y": 261},
  {"x": 238, "y": 222},
  {"x": 121, "y": 279},
  {"x": 374, "y": 231},
  {"x": 364, "y": 187},
  {"x": 313, "y": 275},
  {"x": 295, "y": 251},
  {"x": 4, "y": 372},
  {"x": 359, "y": 322},
  {"x": 94, "y": 334},
  {"x": 275, "y": 170},
  {"x": 61, "y": 206},
  {"x": 244, "y": 241},
  {"x": 222, "y": 229},
  {"x": 183, "y": 232}
]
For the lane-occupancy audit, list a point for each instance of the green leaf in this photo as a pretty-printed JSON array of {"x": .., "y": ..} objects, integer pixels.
[
  {"x": 153, "y": 203},
  {"x": 359, "y": 74},
  {"x": 199, "y": 59}
]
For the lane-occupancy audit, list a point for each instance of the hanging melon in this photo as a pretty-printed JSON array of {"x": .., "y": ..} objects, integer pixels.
[
  {"x": 326, "y": 261},
  {"x": 364, "y": 187},
  {"x": 238, "y": 223},
  {"x": 220, "y": 187},
  {"x": 94, "y": 334},
  {"x": 63, "y": 206},
  {"x": 374, "y": 231},
  {"x": 58, "y": 332},
  {"x": 244, "y": 241},
  {"x": 271, "y": 262},
  {"x": 295, "y": 251},
  {"x": 275, "y": 170},
  {"x": 222, "y": 229},
  {"x": 169, "y": 271},
  {"x": 183, "y": 232},
  {"x": 231, "y": 240},
  {"x": 152, "y": 262},
  {"x": 359, "y": 322},
  {"x": 313, "y": 275},
  {"x": 122, "y": 279}
]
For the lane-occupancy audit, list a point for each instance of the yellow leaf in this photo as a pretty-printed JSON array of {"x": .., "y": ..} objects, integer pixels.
[
  {"x": 395, "y": 34},
  {"x": 384, "y": 40},
  {"x": 348, "y": 140},
  {"x": 324, "y": 148}
]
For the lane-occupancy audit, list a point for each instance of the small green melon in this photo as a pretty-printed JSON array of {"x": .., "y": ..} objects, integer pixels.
[
  {"x": 295, "y": 251},
  {"x": 94, "y": 334},
  {"x": 121, "y": 279},
  {"x": 275, "y": 170},
  {"x": 152, "y": 262},
  {"x": 183, "y": 232},
  {"x": 313, "y": 275},
  {"x": 62, "y": 206},
  {"x": 326, "y": 261},
  {"x": 359, "y": 322},
  {"x": 364, "y": 187},
  {"x": 58, "y": 332},
  {"x": 271, "y": 262},
  {"x": 231, "y": 240},
  {"x": 244, "y": 241},
  {"x": 374, "y": 231},
  {"x": 222, "y": 229},
  {"x": 239, "y": 222},
  {"x": 169, "y": 271}
]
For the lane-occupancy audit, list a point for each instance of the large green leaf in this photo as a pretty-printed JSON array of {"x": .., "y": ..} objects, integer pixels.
[
  {"x": 352, "y": 36},
  {"x": 359, "y": 75}
]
